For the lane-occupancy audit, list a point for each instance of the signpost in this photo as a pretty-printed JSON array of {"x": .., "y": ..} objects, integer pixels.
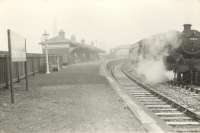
[
  {"x": 25, "y": 68},
  {"x": 46, "y": 52},
  {"x": 17, "y": 53}
]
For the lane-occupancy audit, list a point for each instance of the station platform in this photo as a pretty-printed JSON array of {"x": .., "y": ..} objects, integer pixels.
[{"x": 77, "y": 99}]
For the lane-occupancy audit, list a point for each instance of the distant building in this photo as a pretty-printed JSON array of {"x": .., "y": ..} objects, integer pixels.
[
  {"x": 70, "y": 50},
  {"x": 73, "y": 38},
  {"x": 59, "y": 45},
  {"x": 120, "y": 51}
]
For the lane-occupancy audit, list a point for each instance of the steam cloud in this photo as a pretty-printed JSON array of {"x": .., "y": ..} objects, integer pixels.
[{"x": 156, "y": 48}]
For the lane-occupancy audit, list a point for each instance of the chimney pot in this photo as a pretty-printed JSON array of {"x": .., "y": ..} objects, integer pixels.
[
  {"x": 187, "y": 27},
  {"x": 62, "y": 34}
]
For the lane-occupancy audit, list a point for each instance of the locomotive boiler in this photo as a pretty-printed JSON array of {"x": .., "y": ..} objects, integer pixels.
[{"x": 184, "y": 61}]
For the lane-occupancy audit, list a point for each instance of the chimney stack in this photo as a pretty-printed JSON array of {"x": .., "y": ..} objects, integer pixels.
[
  {"x": 187, "y": 27},
  {"x": 62, "y": 34}
]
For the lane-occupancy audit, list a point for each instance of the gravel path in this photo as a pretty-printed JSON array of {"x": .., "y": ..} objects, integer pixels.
[{"x": 76, "y": 99}]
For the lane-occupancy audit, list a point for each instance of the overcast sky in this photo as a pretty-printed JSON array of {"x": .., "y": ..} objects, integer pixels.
[{"x": 110, "y": 22}]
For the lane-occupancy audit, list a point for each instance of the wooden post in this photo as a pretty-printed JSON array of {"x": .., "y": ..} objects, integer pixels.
[
  {"x": 58, "y": 63},
  {"x": 39, "y": 64},
  {"x": 196, "y": 77},
  {"x": 7, "y": 71},
  {"x": 37, "y": 59},
  {"x": 191, "y": 77},
  {"x": 26, "y": 74},
  {"x": 26, "y": 70},
  {"x": 10, "y": 67},
  {"x": 33, "y": 66},
  {"x": 18, "y": 73}
]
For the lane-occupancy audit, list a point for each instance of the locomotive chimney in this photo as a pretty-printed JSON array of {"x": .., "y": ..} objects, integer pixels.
[{"x": 187, "y": 27}]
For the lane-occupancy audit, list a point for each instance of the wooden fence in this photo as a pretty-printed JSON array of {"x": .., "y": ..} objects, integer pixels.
[{"x": 35, "y": 64}]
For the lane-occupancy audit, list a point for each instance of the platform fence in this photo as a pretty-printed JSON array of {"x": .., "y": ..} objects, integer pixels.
[{"x": 35, "y": 62}]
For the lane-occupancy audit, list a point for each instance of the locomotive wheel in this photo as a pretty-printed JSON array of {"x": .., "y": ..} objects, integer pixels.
[
  {"x": 197, "y": 78},
  {"x": 178, "y": 78},
  {"x": 186, "y": 77}
]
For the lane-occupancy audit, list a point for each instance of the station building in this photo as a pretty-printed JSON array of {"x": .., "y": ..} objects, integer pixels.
[
  {"x": 70, "y": 50},
  {"x": 120, "y": 51}
]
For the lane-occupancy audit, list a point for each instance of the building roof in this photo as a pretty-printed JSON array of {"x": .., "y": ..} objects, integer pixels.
[{"x": 59, "y": 39}]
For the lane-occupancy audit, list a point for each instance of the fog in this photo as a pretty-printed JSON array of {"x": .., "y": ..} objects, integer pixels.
[{"x": 106, "y": 22}]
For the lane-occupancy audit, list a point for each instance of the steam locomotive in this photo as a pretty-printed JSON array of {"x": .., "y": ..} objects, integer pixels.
[
  {"x": 182, "y": 57},
  {"x": 184, "y": 61}
]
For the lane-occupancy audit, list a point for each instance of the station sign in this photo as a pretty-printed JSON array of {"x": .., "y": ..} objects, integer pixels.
[
  {"x": 17, "y": 53},
  {"x": 18, "y": 47}
]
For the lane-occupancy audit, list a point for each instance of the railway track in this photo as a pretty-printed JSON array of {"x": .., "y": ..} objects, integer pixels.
[{"x": 174, "y": 115}]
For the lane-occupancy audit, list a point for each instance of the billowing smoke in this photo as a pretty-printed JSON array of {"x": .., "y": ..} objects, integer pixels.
[{"x": 151, "y": 59}]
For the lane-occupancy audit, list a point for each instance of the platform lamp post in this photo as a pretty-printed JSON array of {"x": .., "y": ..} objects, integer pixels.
[{"x": 46, "y": 35}]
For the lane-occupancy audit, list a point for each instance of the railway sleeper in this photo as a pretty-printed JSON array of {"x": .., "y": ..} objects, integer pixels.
[
  {"x": 188, "y": 130},
  {"x": 145, "y": 97},
  {"x": 149, "y": 100},
  {"x": 158, "y": 106},
  {"x": 183, "y": 123},
  {"x": 175, "y": 113},
  {"x": 179, "y": 120},
  {"x": 154, "y": 103},
  {"x": 176, "y": 118},
  {"x": 141, "y": 93},
  {"x": 164, "y": 110},
  {"x": 135, "y": 87}
]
